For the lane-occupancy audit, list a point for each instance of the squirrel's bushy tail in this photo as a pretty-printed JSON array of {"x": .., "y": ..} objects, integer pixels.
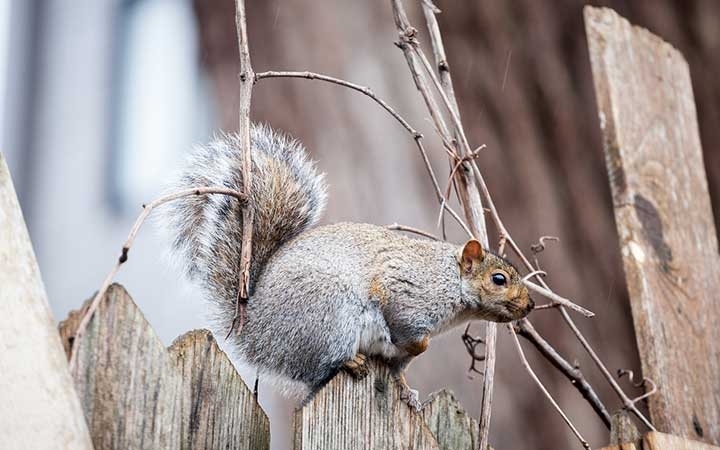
[{"x": 288, "y": 196}]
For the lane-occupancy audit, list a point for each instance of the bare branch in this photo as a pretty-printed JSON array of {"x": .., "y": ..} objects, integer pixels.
[
  {"x": 554, "y": 297},
  {"x": 525, "y": 329},
  {"x": 544, "y": 390},
  {"x": 641, "y": 384},
  {"x": 532, "y": 274},
  {"x": 627, "y": 402},
  {"x": 356, "y": 87},
  {"x": 247, "y": 79},
  {"x": 147, "y": 209},
  {"x": 417, "y": 137},
  {"x": 545, "y": 290},
  {"x": 466, "y": 188},
  {"x": 398, "y": 227},
  {"x": 540, "y": 246}
]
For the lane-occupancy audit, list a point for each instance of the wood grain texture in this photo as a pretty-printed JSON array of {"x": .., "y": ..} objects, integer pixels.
[
  {"x": 664, "y": 219},
  {"x": 621, "y": 447},
  {"x": 623, "y": 430},
  {"x": 452, "y": 427},
  {"x": 39, "y": 407},
  {"x": 662, "y": 441},
  {"x": 137, "y": 394},
  {"x": 366, "y": 414},
  {"x": 218, "y": 410}
]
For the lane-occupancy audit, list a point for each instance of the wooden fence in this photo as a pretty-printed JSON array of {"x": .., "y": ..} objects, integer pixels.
[
  {"x": 188, "y": 396},
  {"x": 664, "y": 219},
  {"x": 127, "y": 391}
]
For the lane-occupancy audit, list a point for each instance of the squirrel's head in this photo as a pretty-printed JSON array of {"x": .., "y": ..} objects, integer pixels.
[{"x": 492, "y": 284}]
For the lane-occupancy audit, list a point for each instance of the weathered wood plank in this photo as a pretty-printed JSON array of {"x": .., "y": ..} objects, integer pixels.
[
  {"x": 662, "y": 441},
  {"x": 663, "y": 215},
  {"x": 621, "y": 447},
  {"x": 39, "y": 407},
  {"x": 368, "y": 414},
  {"x": 623, "y": 432},
  {"x": 218, "y": 410},
  {"x": 137, "y": 394},
  {"x": 126, "y": 381},
  {"x": 449, "y": 423}
]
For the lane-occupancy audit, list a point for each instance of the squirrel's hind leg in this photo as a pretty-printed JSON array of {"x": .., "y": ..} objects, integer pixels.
[
  {"x": 357, "y": 367},
  {"x": 407, "y": 394}
]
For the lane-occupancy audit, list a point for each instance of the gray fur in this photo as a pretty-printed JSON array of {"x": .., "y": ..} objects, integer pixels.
[
  {"x": 312, "y": 301},
  {"x": 319, "y": 296},
  {"x": 288, "y": 197}
]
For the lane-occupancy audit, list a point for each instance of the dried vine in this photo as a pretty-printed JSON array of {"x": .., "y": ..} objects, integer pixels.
[{"x": 127, "y": 245}]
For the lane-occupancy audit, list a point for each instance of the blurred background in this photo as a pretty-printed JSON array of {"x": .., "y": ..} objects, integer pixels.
[{"x": 101, "y": 99}]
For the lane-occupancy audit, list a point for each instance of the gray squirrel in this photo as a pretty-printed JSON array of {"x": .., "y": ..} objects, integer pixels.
[{"x": 324, "y": 299}]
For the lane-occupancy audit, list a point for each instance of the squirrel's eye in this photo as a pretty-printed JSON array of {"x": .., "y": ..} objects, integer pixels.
[{"x": 499, "y": 279}]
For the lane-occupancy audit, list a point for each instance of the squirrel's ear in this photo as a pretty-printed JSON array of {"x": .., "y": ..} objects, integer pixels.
[{"x": 471, "y": 252}]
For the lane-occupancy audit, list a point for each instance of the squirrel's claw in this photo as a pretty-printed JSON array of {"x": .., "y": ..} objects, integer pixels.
[
  {"x": 408, "y": 395},
  {"x": 411, "y": 397},
  {"x": 357, "y": 367}
]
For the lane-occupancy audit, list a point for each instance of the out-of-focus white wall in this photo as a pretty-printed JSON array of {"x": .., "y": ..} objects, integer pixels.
[{"x": 109, "y": 112}]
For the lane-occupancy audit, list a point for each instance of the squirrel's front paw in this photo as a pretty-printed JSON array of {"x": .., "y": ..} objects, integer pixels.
[
  {"x": 357, "y": 367},
  {"x": 411, "y": 397}
]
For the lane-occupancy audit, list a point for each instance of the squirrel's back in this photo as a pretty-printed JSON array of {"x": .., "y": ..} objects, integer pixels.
[{"x": 287, "y": 195}]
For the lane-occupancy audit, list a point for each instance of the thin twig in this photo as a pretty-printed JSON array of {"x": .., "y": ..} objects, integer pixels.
[
  {"x": 532, "y": 274},
  {"x": 419, "y": 68},
  {"x": 398, "y": 227},
  {"x": 545, "y": 290},
  {"x": 642, "y": 384},
  {"x": 453, "y": 172},
  {"x": 525, "y": 329},
  {"x": 417, "y": 136},
  {"x": 247, "y": 80},
  {"x": 451, "y": 105},
  {"x": 544, "y": 390},
  {"x": 467, "y": 191},
  {"x": 557, "y": 299},
  {"x": 471, "y": 343},
  {"x": 540, "y": 247},
  {"x": 363, "y": 89},
  {"x": 627, "y": 401},
  {"x": 147, "y": 209}
]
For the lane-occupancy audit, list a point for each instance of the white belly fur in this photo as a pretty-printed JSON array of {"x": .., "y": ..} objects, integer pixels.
[{"x": 374, "y": 336}]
